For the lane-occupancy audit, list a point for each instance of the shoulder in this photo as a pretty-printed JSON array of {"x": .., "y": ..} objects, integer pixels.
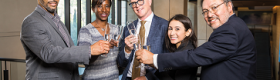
[
  {"x": 34, "y": 16},
  {"x": 186, "y": 45},
  {"x": 235, "y": 24},
  {"x": 160, "y": 20},
  {"x": 112, "y": 25},
  {"x": 34, "y": 20},
  {"x": 86, "y": 28}
]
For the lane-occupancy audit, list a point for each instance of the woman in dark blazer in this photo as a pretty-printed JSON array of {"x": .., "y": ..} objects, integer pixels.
[{"x": 180, "y": 36}]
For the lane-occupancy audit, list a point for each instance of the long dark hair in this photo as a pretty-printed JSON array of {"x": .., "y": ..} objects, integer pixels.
[
  {"x": 98, "y": 2},
  {"x": 188, "y": 25}
]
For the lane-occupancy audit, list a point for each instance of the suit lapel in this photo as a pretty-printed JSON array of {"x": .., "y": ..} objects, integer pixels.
[
  {"x": 53, "y": 25},
  {"x": 135, "y": 23},
  {"x": 68, "y": 34}
]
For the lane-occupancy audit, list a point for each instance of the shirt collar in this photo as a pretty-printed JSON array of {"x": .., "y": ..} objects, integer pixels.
[
  {"x": 232, "y": 14},
  {"x": 149, "y": 18}
]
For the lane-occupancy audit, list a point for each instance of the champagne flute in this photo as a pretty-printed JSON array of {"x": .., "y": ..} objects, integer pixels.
[
  {"x": 117, "y": 35},
  {"x": 132, "y": 30},
  {"x": 146, "y": 46},
  {"x": 107, "y": 37}
]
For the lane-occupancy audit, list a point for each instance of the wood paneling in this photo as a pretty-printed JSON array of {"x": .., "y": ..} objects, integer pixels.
[{"x": 254, "y": 3}]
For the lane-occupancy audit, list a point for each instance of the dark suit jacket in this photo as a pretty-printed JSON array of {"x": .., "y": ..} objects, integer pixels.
[
  {"x": 47, "y": 55},
  {"x": 156, "y": 38},
  {"x": 229, "y": 54},
  {"x": 179, "y": 74}
]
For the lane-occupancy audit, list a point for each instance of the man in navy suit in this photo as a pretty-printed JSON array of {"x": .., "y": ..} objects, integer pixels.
[
  {"x": 154, "y": 29},
  {"x": 229, "y": 54}
]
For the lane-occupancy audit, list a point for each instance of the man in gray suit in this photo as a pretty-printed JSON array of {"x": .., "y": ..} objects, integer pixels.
[{"x": 50, "y": 52}]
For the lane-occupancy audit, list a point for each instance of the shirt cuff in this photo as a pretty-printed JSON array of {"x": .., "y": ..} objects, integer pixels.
[
  {"x": 146, "y": 78},
  {"x": 155, "y": 60},
  {"x": 126, "y": 54}
]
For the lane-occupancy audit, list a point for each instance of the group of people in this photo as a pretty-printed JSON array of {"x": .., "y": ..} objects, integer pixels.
[{"x": 229, "y": 53}]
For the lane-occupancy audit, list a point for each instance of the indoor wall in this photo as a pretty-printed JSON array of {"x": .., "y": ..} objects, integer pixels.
[
  {"x": 11, "y": 16},
  {"x": 168, "y": 8}
]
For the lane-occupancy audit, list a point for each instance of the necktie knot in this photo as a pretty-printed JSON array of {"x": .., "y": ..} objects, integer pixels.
[{"x": 143, "y": 23}]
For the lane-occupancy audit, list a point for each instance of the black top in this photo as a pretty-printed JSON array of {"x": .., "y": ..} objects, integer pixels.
[{"x": 180, "y": 74}]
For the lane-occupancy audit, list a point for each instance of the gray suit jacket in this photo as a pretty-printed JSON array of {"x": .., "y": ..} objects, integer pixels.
[{"x": 47, "y": 55}]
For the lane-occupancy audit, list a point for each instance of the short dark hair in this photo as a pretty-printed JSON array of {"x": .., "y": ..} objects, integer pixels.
[
  {"x": 98, "y": 2},
  {"x": 188, "y": 25},
  {"x": 224, "y": 1}
]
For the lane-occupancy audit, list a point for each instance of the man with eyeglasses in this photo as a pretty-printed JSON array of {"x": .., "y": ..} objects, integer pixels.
[
  {"x": 151, "y": 30},
  {"x": 229, "y": 54}
]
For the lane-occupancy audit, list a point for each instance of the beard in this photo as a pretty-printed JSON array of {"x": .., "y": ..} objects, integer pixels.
[{"x": 47, "y": 7}]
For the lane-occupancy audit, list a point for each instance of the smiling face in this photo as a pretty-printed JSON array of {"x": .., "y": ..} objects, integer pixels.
[
  {"x": 177, "y": 32},
  {"x": 49, "y": 5},
  {"x": 218, "y": 18},
  {"x": 142, "y": 11},
  {"x": 102, "y": 11}
]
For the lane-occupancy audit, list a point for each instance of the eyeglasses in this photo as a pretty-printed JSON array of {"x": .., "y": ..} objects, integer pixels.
[
  {"x": 214, "y": 9},
  {"x": 139, "y": 2}
]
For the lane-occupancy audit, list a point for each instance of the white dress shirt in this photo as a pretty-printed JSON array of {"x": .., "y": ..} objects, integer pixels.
[{"x": 147, "y": 30}]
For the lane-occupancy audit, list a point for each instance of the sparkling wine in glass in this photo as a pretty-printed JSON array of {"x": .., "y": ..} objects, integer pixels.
[
  {"x": 132, "y": 30},
  {"x": 117, "y": 35},
  {"x": 146, "y": 46},
  {"x": 107, "y": 38}
]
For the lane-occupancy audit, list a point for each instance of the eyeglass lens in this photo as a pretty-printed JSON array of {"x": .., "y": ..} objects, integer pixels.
[
  {"x": 139, "y": 2},
  {"x": 213, "y": 9}
]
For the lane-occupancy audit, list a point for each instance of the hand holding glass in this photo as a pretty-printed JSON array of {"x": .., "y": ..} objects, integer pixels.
[
  {"x": 147, "y": 47},
  {"x": 132, "y": 30}
]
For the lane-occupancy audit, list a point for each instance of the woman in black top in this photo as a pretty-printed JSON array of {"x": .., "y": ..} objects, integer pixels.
[{"x": 180, "y": 36}]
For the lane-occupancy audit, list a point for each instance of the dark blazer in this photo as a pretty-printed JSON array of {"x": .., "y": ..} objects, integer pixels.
[
  {"x": 47, "y": 55},
  {"x": 229, "y": 54},
  {"x": 156, "y": 38},
  {"x": 179, "y": 74}
]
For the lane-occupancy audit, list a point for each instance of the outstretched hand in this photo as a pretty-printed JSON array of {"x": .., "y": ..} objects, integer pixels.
[
  {"x": 145, "y": 56},
  {"x": 100, "y": 47}
]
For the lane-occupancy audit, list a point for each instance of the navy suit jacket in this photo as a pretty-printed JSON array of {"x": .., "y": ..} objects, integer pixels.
[
  {"x": 156, "y": 37},
  {"x": 229, "y": 54}
]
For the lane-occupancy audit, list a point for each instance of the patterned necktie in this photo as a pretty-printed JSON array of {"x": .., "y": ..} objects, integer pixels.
[
  {"x": 136, "y": 71},
  {"x": 62, "y": 31}
]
